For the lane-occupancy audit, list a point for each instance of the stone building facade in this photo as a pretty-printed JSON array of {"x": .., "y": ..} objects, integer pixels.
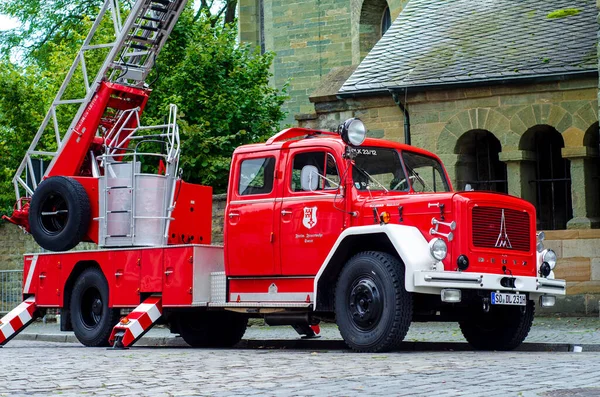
[{"x": 312, "y": 37}]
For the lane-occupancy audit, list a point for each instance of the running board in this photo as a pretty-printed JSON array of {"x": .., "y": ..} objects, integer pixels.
[
  {"x": 17, "y": 320},
  {"x": 133, "y": 326}
]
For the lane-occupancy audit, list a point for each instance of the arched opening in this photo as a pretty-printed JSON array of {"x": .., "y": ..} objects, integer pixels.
[
  {"x": 374, "y": 17},
  {"x": 591, "y": 164},
  {"x": 552, "y": 183},
  {"x": 478, "y": 164}
]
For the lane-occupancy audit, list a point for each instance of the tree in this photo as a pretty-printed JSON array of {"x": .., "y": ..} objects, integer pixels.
[{"x": 221, "y": 88}]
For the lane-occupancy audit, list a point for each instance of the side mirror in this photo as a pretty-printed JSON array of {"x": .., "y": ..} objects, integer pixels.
[{"x": 309, "y": 178}]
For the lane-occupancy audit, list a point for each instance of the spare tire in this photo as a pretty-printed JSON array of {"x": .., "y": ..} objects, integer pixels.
[{"x": 59, "y": 214}]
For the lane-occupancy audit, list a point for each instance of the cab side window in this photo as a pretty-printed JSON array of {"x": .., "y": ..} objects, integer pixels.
[
  {"x": 329, "y": 178},
  {"x": 256, "y": 176}
]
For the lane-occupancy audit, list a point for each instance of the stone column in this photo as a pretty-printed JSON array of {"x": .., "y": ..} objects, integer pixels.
[
  {"x": 585, "y": 203},
  {"x": 520, "y": 170},
  {"x": 450, "y": 161}
]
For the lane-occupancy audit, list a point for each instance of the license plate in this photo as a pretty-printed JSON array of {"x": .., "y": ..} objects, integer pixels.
[{"x": 499, "y": 298}]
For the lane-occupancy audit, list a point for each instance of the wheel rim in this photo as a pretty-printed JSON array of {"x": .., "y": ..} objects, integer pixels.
[
  {"x": 365, "y": 304},
  {"x": 92, "y": 308},
  {"x": 54, "y": 214}
]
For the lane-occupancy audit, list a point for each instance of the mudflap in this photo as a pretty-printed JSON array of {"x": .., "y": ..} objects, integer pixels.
[
  {"x": 17, "y": 320},
  {"x": 133, "y": 326}
]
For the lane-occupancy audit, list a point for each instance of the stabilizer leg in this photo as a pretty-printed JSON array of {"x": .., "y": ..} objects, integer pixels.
[
  {"x": 133, "y": 326},
  {"x": 17, "y": 320}
]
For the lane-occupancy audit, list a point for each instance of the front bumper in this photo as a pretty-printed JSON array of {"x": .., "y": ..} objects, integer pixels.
[{"x": 432, "y": 282}]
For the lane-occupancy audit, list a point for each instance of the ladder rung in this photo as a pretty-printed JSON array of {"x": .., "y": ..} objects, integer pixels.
[
  {"x": 118, "y": 235},
  {"x": 118, "y": 187},
  {"x": 118, "y": 212},
  {"x": 159, "y": 9},
  {"x": 162, "y": 2},
  {"x": 142, "y": 39},
  {"x": 151, "y": 19},
  {"x": 136, "y": 53},
  {"x": 125, "y": 65},
  {"x": 147, "y": 27},
  {"x": 138, "y": 46}
]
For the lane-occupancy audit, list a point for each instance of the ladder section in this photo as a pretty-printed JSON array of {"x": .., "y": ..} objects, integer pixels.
[{"x": 132, "y": 51}]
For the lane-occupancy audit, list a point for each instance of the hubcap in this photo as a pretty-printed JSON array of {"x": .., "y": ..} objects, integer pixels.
[
  {"x": 91, "y": 308},
  {"x": 55, "y": 214},
  {"x": 366, "y": 304}
]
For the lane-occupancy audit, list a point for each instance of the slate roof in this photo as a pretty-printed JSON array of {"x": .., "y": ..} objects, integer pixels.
[{"x": 441, "y": 42}]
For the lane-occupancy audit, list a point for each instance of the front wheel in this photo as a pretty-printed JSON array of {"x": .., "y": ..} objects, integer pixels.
[
  {"x": 91, "y": 318},
  {"x": 372, "y": 307},
  {"x": 502, "y": 328}
]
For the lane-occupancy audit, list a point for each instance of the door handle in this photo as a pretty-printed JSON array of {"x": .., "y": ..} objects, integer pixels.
[
  {"x": 286, "y": 212},
  {"x": 233, "y": 214}
]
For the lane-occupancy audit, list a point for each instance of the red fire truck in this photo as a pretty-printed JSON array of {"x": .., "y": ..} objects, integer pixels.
[{"x": 318, "y": 225}]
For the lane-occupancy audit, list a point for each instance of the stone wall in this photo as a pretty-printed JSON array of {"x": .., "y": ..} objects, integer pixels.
[{"x": 310, "y": 38}]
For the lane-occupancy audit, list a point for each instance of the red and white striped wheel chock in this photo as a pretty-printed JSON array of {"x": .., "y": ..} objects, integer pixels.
[
  {"x": 133, "y": 326},
  {"x": 16, "y": 320}
]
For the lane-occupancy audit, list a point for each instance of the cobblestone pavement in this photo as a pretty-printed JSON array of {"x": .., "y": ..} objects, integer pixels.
[
  {"x": 585, "y": 330},
  {"x": 46, "y": 368}
]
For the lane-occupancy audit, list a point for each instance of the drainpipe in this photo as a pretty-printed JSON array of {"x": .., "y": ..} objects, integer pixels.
[{"x": 404, "y": 109}]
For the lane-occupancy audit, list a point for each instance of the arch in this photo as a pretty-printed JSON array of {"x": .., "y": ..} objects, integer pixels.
[
  {"x": 474, "y": 119},
  {"x": 371, "y": 16},
  {"x": 478, "y": 162},
  {"x": 591, "y": 174},
  {"x": 551, "y": 183}
]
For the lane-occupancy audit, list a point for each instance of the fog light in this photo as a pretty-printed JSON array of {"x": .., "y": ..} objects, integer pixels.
[
  {"x": 547, "y": 300},
  {"x": 545, "y": 269},
  {"x": 451, "y": 295},
  {"x": 462, "y": 262}
]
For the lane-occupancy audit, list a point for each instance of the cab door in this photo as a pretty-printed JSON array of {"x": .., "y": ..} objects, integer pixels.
[
  {"x": 310, "y": 218},
  {"x": 249, "y": 216}
]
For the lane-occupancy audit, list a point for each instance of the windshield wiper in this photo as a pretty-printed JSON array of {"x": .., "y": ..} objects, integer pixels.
[{"x": 370, "y": 177}]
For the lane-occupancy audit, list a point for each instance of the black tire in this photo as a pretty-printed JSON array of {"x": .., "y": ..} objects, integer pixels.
[
  {"x": 372, "y": 307},
  {"x": 91, "y": 318},
  {"x": 211, "y": 329},
  {"x": 502, "y": 328},
  {"x": 59, "y": 215}
]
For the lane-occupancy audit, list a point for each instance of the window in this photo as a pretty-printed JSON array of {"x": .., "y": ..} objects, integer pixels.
[
  {"x": 329, "y": 180},
  {"x": 550, "y": 177},
  {"x": 378, "y": 169},
  {"x": 256, "y": 176},
  {"x": 386, "y": 20},
  {"x": 478, "y": 162},
  {"x": 424, "y": 173}
]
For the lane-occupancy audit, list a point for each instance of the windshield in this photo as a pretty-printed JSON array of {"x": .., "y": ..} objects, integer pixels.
[
  {"x": 378, "y": 169},
  {"x": 425, "y": 173}
]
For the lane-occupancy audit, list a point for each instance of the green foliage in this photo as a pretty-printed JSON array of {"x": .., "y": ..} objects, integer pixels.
[
  {"x": 567, "y": 12},
  {"x": 221, "y": 88}
]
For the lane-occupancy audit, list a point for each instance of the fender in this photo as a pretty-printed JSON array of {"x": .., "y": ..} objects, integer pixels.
[{"x": 407, "y": 241}]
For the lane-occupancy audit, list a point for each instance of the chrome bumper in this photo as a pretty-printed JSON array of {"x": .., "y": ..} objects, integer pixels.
[{"x": 432, "y": 281}]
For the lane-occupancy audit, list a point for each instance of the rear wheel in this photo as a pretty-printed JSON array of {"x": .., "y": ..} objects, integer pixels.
[
  {"x": 502, "y": 328},
  {"x": 91, "y": 318},
  {"x": 373, "y": 309},
  {"x": 59, "y": 215},
  {"x": 211, "y": 329}
]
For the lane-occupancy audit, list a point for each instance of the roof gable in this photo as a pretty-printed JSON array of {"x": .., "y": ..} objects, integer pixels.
[{"x": 440, "y": 42}]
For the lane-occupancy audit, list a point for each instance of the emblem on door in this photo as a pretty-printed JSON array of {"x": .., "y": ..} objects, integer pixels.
[{"x": 309, "y": 220}]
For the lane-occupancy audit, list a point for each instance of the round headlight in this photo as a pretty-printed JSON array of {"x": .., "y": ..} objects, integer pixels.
[
  {"x": 550, "y": 257},
  {"x": 438, "y": 249},
  {"x": 353, "y": 132}
]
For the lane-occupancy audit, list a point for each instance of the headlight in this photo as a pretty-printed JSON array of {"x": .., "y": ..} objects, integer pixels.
[
  {"x": 550, "y": 257},
  {"x": 353, "y": 132},
  {"x": 438, "y": 249},
  {"x": 540, "y": 241}
]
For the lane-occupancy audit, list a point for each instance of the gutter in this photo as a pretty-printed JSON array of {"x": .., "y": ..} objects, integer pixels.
[
  {"x": 471, "y": 83},
  {"x": 404, "y": 109}
]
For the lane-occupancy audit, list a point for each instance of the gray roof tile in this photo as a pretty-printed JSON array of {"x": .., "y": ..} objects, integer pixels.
[{"x": 458, "y": 41}]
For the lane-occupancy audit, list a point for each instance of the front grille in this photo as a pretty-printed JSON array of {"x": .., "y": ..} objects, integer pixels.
[{"x": 489, "y": 232}]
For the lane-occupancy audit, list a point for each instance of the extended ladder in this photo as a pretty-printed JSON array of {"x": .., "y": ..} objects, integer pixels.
[{"x": 131, "y": 57}]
